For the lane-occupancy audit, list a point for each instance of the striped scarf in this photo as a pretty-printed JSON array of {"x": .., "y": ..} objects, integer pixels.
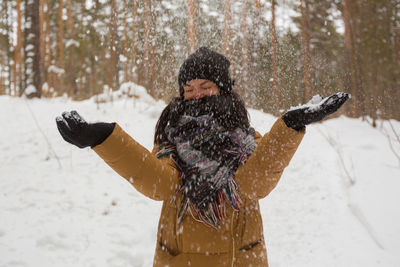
[{"x": 207, "y": 156}]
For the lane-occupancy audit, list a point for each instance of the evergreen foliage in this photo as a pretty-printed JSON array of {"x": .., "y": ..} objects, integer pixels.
[{"x": 81, "y": 48}]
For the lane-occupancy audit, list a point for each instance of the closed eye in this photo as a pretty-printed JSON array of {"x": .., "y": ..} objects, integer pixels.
[{"x": 188, "y": 88}]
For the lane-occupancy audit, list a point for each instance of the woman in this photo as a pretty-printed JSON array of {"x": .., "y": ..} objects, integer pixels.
[{"x": 208, "y": 166}]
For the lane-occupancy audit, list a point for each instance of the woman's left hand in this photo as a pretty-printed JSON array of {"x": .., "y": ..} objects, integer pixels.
[{"x": 315, "y": 110}]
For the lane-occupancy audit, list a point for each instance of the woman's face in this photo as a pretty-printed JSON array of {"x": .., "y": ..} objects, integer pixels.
[{"x": 196, "y": 89}]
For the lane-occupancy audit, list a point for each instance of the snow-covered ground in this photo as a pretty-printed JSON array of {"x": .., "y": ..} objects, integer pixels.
[{"x": 336, "y": 204}]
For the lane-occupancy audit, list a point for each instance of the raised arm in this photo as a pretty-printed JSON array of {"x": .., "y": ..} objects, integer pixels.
[
  {"x": 262, "y": 171},
  {"x": 157, "y": 179},
  {"x": 151, "y": 176}
]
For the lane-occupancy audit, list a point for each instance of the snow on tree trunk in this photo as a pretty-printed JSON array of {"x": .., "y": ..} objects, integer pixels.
[{"x": 33, "y": 70}]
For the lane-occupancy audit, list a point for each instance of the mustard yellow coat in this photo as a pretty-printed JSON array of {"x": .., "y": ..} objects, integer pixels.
[{"x": 240, "y": 241}]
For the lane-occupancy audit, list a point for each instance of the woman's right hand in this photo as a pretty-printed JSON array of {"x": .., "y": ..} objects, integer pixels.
[{"x": 75, "y": 130}]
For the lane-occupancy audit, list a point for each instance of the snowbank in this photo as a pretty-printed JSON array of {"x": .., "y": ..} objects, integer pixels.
[{"x": 336, "y": 204}]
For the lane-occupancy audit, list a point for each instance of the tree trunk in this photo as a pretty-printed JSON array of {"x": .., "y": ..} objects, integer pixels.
[
  {"x": 125, "y": 51},
  {"x": 305, "y": 41},
  {"x": 3, "y": 11},
  {"x": 396, "y": 50},
  {"x": 349, "y": 81},
  {"x": 132, "y": 57},
  {"x": 227, "y": 45},
  {"x": 70, "y": 68},
  {"x": 7, "y": 23},
  {"x": 245, "y": 51},
  {"x": 275, "y": 89},
  {"x": 133, "y": 51},
  {"x": 70, "y": 19},
  {"x": 358, "y": 67},
  {"x": 114, "y": 48},
  {"x": 353, "y": 80},
  {"x": 397, "y": 45},
  {"x": 146, "y": 57},
  {"x": 43, "y": 29},
  {"x": 254, "y": 47},
  {"x": 396, "y": 31},
  {"x": 18, "y": 54},
  {"x": 50, "y": 75},
  {"x": 60, "y": 49},
  {"x": 153, "y": 55},
  {"x": 191, "y": 26},
  {"x": 33, "y": 70}
]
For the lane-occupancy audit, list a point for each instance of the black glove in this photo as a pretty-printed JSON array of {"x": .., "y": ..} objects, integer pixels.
[
  {"x": 75, "y": 130},
  {"x": 299, "y": 117}
]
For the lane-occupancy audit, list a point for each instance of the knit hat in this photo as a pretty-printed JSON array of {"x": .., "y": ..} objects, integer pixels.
[{"x": 209, "y": 65}]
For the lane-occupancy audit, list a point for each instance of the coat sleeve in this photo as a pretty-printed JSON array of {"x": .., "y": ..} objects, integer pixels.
[
  {"x": 155, "y": 178},
  {"x": 262, "y": 171}
]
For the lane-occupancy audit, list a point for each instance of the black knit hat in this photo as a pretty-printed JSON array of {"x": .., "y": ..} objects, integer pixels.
[{"x": 209, "y": 65}]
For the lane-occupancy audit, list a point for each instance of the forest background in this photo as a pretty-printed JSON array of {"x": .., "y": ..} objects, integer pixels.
[{"x": 282, "y": 52}]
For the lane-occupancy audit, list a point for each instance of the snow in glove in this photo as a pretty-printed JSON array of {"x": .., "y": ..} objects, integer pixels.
[
  {"x": 315, "y": 110},
  {"x": 75, "y": 130}
]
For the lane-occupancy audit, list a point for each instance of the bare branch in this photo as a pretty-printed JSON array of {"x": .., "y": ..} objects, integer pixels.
[
  {"x": 354, "y": 208},
  {"x": 339, "y": 152},
  {"x": 44, "y": 135},
  {"x": 389, "y": 138},
  {"x": 397, "y": 135},
  {"x": 357, "y": 212}
]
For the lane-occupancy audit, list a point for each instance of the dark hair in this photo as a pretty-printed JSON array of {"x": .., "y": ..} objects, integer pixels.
[{"x": 228, "y": 109}]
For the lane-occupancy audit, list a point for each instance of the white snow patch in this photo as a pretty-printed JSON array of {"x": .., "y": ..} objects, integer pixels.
[
  {"x": 83, "y": 214},
  {"x": 30, "y": 89},
  {"x": 71, "y": 42},
  {"x": 56, "y": 70}
]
